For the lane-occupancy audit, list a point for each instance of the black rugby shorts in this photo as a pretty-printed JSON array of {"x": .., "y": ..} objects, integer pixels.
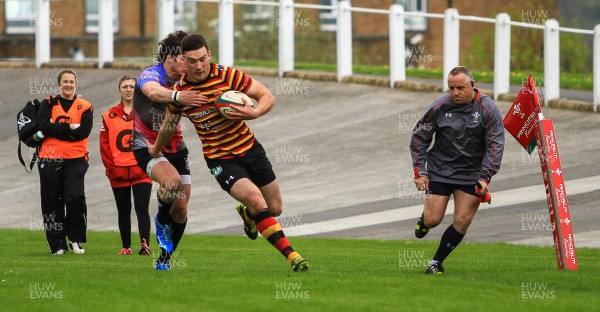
[
  {"x": 253, "y": 165},
  {"x": 446, "y": 189}
]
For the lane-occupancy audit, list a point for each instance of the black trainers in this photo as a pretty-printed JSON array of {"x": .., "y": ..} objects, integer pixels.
[
  {"x": 420, "y": 229},
  {"x": 435, "y": 268}
]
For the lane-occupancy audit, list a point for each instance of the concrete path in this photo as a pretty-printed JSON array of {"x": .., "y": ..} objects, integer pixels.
[{"x": 341, "y": 155}]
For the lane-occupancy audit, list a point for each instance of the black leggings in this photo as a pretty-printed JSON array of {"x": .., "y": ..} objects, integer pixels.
[{"x": 141, "y": 199}]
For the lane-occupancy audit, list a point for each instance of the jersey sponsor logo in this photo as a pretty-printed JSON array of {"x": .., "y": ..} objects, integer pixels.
[
  {"x": 124, "y": 139},
  {"x": 203, "y": 113},
  {"x": 449, "y": 115},
  {"x": 153, "y": 76},
  {"x": 63, "y": 119},
  {"x": 205, "y": 125}
]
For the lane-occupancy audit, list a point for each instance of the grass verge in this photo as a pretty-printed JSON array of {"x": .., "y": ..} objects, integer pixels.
[
  {"x": 567, "y": 80},
  {"x": 231, "y": 273}
]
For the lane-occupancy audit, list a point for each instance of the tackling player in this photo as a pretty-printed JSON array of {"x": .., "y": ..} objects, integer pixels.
[{"x": 171, "y": 170}]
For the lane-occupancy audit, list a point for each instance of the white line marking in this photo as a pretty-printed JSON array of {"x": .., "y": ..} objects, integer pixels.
[{"x": 499, "y": 199}]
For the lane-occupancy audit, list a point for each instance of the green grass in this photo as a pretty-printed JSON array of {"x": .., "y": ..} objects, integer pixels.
[
  {"x": 231, "y": 273},
  {"x": 567, "y": 80}
]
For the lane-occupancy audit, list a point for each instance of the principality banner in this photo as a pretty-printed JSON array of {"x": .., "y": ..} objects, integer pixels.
[
  {"x": 522, "y": 116},
  {"x": 558, "y": 206}
]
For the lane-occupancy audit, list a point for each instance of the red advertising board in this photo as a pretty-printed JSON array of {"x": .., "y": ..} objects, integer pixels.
[{"x": 558, "y": 206}]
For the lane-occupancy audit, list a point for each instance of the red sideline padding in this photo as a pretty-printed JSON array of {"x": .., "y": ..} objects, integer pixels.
[{"x": 558, "y": 206}]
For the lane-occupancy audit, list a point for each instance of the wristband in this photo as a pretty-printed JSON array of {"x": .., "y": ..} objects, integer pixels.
[
  {"x": 174, "y": 95},
  {"x": 38, "y": 136},
  {"x": 177, "y": 96}
]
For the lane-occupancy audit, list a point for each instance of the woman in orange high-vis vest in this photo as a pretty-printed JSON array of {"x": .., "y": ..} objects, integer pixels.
[
  {"x": 65, "y": 123},
  {"x": 122, "y": 170}
]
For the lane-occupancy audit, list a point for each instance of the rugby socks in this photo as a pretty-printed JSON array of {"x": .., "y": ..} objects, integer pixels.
[
  {"x": 450, "y": 239},
  {"x": 164, "y": 215},
  {"x": 270, "y": 229},
  {"x": 177, "y": 230}
]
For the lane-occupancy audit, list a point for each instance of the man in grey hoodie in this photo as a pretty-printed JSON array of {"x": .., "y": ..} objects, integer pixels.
[{"x": 467, "y": 152}]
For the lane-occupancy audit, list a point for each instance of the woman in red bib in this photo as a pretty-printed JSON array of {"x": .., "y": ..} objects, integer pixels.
[
  {"x": 65, "y": 123},
  {"x": 124, "y": 174}
]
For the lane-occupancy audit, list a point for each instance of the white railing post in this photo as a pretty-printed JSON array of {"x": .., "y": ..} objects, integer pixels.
[
  {"x": 344, "y": 40},
  {"x": 285, "y": 21},
  {"x": 42, "y": 32},
  {"x": 397, "y": 45},
  {"x": 551, "y": 61},
  {"x": 226, "y": 32},
  {"x": 166, "y": 18},
  {"x": 105, "y": 32},
  {"x": 502, "y": 55},
  {"x": 596, "y": 65},
  {"x": 451, "y": 43}
]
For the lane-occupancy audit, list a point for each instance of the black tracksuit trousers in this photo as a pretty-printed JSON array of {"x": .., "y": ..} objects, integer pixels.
[{"x": 62, "y": 186}]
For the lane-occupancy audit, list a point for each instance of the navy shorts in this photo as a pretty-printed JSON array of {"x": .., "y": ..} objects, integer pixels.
[
  {"x": 253, "y": 165},
  {"x": 446, "y": 189}
]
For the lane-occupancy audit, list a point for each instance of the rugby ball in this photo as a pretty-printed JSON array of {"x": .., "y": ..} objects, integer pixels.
[{"x": 228, "y": 99}]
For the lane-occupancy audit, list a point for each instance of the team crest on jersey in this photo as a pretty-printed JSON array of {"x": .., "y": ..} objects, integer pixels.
[{"x": 476, "y": 118}]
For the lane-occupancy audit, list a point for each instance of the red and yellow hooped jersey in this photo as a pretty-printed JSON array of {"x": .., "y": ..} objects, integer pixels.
[{"x": 221, "y": 137}]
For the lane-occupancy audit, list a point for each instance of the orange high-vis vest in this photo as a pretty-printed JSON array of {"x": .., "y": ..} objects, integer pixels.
[
  {"x": 120, "y": 135},
  {"x": 58, "y": 149}
]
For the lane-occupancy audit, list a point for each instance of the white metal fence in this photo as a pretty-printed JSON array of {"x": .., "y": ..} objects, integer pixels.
[{"x": 396, "y": 15}]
